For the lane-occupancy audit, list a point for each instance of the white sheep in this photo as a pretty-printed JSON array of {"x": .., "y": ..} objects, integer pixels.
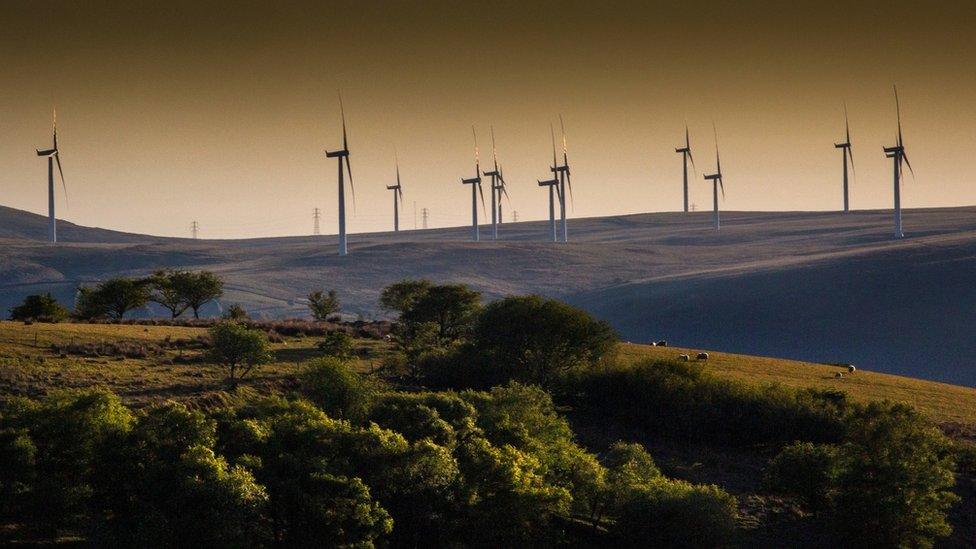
[
  {"x": 838, "y": 375},
  {"x": 684, "y": 357},
  {"x": 851, "y": 368},
  {"x": 702, "y": 356}
]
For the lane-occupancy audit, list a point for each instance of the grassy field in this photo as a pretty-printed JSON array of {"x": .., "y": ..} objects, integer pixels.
[
  {"x": 942, "y": 402},
  {"x": 29, "y": 365}
]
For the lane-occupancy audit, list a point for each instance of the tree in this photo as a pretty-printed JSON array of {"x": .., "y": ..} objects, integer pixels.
[
  {"x": 336, "y": 343},
  {"x": 198, "y": 289},
  {"x": 537, "y": 339},
  {"x": 165, "y": 289},
  {"x": 238, "y": 349},
  {"x": 323, "y": 305},
  {"x": 402, "y": 295},
  {"x": 42, "y": 308},
  {"x": 332, "y": 385},
  {"x": 896, "y": 477},
  {"x": 236, "y": 312},
  {"x": 452, "y": 307},
  {"x": 806, "y": 470},
  {"x": 114, "y": 297}
]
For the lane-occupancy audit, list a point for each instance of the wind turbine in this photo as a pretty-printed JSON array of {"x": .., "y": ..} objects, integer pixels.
[
  {"x": 397, "y": 197},
  {"x": 897, "y": 154},
  {"x": 52, "y": 157},
  {"x": 562, "y": 173},
  {"x": 501, "y": 191},
  {"x": 716, "y": 179},
  {"x": 846, "y": 153},
  {"x": 343, "y": 154},
  {"x": 552, "y": 184},
  {"x": 494, "y": 175},
  {"x": 475, "y": 183},
  {"x": 685, "y": 157}
]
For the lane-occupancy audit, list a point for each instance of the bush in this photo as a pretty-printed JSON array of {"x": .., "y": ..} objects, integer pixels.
[
  {"x": 236, "y": 312},
  {"x": 674, "y": 513},
  {"x": 336, "y": 344},
  {"x": 534, "y": 340},
  {"x": 806, "y": 470},
  {"x": 237, "y": 348},
  {"x": 332, "y": 385},
  {"x": 452, "y": 308},
  {"x": 40, "y": 308}
]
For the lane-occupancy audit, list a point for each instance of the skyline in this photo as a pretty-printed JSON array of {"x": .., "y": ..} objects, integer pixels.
[{"x": 167, "y": 118}]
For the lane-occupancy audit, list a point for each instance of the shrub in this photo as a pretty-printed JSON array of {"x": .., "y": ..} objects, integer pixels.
[
  {"x": 323, "y": 305},
  {"x": 238, "y": 349},
  {"x": 337, "y": 344},
  {"x": 806, "y": 470},
  {"x": 674, "y": 513},
  {"x": 533, "y": 340},
  {"x": 236, "y": 312},
  {"x": 332, "y": 385},
  {"x": 40, "y": 308}
]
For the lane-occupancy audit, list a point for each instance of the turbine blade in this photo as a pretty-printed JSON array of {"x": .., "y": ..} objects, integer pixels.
[
  {"x": 850, "y": 155},
  {"x": 351, "y": 186},
  {"x": 345, "y": 141},
  {"x": 693, "y": 167},
  {"x": 481, "y": 191},
  {"x": 563, "y": 128},
  {"x": 687, "y": 138},
  {"x": 898, "y": 115},
  {"x": 494, "y": 152},
  {"x": 400, "y": 193},
  {"x": 721, "y": 186},
  {"x": 552, "y": 133},
  {"x": 847, "y": 125},
  {"x": 907, "y": 163},
  {"x": 57, "y": 157},
  {"x": 569, "y": 183}
]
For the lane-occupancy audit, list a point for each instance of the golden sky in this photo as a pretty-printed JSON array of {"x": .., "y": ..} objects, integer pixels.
[{"x": 219, "y": 112}]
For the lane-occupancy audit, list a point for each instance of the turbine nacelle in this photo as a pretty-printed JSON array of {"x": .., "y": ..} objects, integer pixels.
[
  {"x": 842, "y": 145},
  {"x": 335, "y": 154},
  {"x": 493, "y": 173},
  {"x": 548, "y": 182},
  {"x": 473, "y": 180},
  {"x": 47, "y": 152},
  {"x": 682, "y": 150}
]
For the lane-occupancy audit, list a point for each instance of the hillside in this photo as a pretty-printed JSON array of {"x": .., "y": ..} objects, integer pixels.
[{"x": 814, "y": 286}]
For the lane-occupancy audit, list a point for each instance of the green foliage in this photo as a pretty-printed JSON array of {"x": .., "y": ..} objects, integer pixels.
[
  {"x": 198, "y": 289},
  {"x": 18, "y": 454},
  {"x": 401, "y": 296},
  {"x": 114, "y": 298},
  {"x": 674, "y": 513},
  {"x": 335, "y": 388},
  {"x": 682, "y": 400},
  {"x": 40, "y": 308},
  {"x": 336, "y": 343},
  {"x": 237, "y": 348},
  {"x": 236, "y": 312},
  {"x": 895, "y": 480},
  {"x": 443, "y": 418},
  {"x": 165, "y": 288},
  {"x": 532, "y": 339},
  {"x": 164, "y": 486},
  {"x": 806, "y": 470},
  {"x": 323, "y": 305}
]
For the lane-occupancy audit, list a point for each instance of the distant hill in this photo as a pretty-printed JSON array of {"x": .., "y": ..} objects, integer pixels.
[{"x": 816, "y": 286}]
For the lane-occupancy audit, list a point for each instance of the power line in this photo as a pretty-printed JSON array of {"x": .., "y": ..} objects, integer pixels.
[
  {"x": 515, "y": 216},
  {"x": 194, "y": 228},
  {"x": 316, "y": 214},
  {"x": 426, "y": 214},
  {"x": 415, "y": 215}
]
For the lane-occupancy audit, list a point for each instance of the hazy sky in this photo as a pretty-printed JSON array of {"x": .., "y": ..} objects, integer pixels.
[{"x": 219, "y": 112}]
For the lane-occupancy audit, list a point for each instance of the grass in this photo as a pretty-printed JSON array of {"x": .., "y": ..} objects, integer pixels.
[
  {"x": 30, "y": 367},
  {"x": 941, "y": 402}
]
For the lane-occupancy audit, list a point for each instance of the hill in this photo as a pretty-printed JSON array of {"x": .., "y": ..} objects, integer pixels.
[{"x": 815, "y": 286}]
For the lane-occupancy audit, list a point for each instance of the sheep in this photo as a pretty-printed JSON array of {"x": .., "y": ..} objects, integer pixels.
[
  {"x": 851, "y": 368},
  {"x": 684, "y": 357},
  {"x": 702, "y": 356},
  {"x": 661, "y": 344},
  {"x": 838, "y": 375}
]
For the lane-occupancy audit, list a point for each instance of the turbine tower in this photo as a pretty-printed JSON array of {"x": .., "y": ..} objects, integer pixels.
[
  {"x": 494, "y": 175},
  {"x": 343, "y": 156},
  {"x": 716, "y": 179},
  {"x": 397, "y": 198},
  {"x": 475, "y": 183},
  {"x": 897, "y": 154},
  {"x": 685, "y": 157},
  {"x": 52, "y": 157},
  {"x": 552, "y": 184},
  {"x": 562, "y": 173},
  {"x": 846, "y": 153}
]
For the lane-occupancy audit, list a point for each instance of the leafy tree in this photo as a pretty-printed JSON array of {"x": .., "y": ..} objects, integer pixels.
[
  {"x": 536, "y": 339},
  {"x": 166, "y": 290},
  {"x": 164, "y": 486},
  {"x": 402, "y": 296},
  {"x": 895, "y": 480},
  {"x": 323, "y": 305},
  {"x": 239, "y": 349},
  {"x": 675, "y": 513},
  {"x": 332, "y": 385},
  {"x": 18, "y": 453},
  {"x": 89, "y": 304},
  {"x": 42, "y": 308},
  {"x": 114, "y": 297},
  {"x": 198, "y": 289},
  {"x": 452, "y": 307},
  {"x": 806, "y": 470}
]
